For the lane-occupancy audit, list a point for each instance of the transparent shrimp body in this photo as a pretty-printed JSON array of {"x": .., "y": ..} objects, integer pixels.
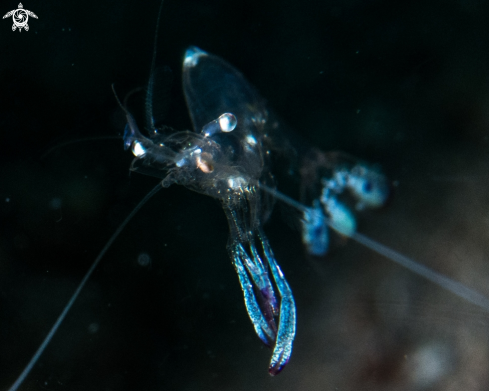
[
  {"x": 227, "y": 158},
  {"x": 233, "y": 166}
]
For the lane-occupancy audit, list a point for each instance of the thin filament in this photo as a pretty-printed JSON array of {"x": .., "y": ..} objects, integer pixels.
[
  {"x": 73, "y": 298},
  {"x": 444, "y": 282},
  {"x": 450, "y": 285}
]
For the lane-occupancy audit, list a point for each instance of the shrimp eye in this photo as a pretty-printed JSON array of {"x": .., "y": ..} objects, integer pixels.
[{"x": 367, "y": 187}]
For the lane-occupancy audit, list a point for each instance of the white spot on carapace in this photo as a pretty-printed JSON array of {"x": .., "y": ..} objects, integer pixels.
[
  {"x": 235, "y": 182},
  {"x": 192, "y": 56},
  {"x": 137, "y": 149},
  {"x": 251, "y": 140}
]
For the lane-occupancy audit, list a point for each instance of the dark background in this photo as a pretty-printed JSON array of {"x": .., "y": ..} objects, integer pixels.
[{"x": 403, "y": 84}]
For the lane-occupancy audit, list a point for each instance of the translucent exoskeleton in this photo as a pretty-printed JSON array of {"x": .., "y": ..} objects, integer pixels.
[
  {"x": 227, "y": 157},
  {"x": 230, "y": 157}
]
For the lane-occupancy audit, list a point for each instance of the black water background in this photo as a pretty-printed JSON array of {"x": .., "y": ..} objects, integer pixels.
[{"x": 404, "y": 85}]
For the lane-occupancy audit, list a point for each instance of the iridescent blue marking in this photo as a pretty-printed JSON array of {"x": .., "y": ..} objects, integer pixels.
[
  {"x": 192, "y": 56},
  {"x": 226, "y": 157},
  {"x": 315, "y": 234}
]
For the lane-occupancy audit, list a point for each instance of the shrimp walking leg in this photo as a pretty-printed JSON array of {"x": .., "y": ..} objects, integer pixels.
[{"x": 253, "y": 273}]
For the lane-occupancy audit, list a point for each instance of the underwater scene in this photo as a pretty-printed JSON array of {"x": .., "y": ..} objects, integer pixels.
[{"x": 303, "y": 152}]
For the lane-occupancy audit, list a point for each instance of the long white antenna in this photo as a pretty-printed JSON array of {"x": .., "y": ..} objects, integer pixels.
[
  {"x": 149, "y": 93},
  {"x": 445, "y": 282},
  {"x": 73, "y": 297}
]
